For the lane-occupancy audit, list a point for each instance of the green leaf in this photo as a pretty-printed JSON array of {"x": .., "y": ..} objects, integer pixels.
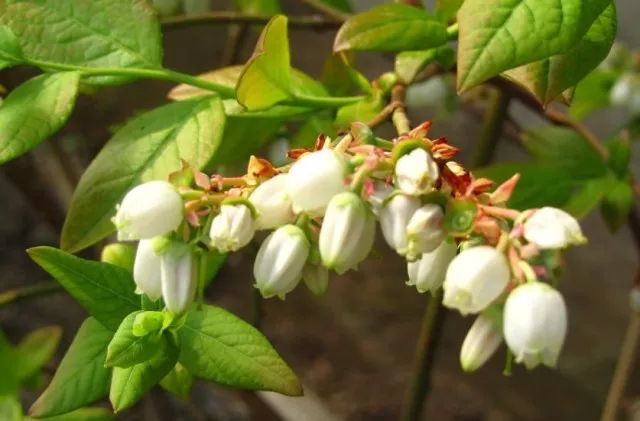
[
  {"x": 178, "y": 382},
  {"x": 307, "y": 134},
  {"x": 10, "y": 51},
  {"x": 81, "y": 377},
  {"x": 391, "y": 27},
  {"x": 82, "y": 414},
  {"x": 499, "y": 35},
  {"x": 34, "y": 111},
  {"x": 340, "y": 77},
  {"x": 127, "y": 349},
  {"x": 149, "y": 147},
  {"x": 35, "y": 350},
  {"x": 409, "y": 63},
  {"x": 592, "y": 93},
  {"x": 266, "y": 78},
  {"x": 562, "y": 159},
  {"x": 617, "y": 204},
  {"x": 533, "y": 187},
  {"x": 10, "y": 408},
  {"x": 549, "y": 78},
  {"x": 447, "y": 9},
  {"x": 565, "y": 148},
  {"x": 104, "y": 290},
  {"x": 218, "y": 346},
  {"x": 9, "y": 381},
  {"x": 341, "y": 5},
  {"x": 619, "y": 156},
  {"x": 587, "y": 197},
  {"x": 96, "y": 33},
  {"x": 128, "y": 385},
  {"x": 363, "y": 110}
]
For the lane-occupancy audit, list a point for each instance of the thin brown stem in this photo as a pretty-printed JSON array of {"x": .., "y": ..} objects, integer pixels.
[
  {"x": 430, "y": 335},
  {"x": 624, "y": 367},
  {"x": 494, "y": 118},
  {"x": 236, "y": 34},
  {"x": 314, "y": 22},
  {"x": 327, "y": 9},
  {"x": 384, "y": 114},
  {"x": 30, "y": 291}
]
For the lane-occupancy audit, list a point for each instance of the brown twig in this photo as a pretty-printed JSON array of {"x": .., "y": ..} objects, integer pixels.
[
  {"x": 315, "y": 22},
  {"x": 384, "y": 114},
  {"x": 327, "y": 9}
]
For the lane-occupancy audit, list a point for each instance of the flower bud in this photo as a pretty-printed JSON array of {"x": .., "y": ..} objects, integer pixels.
[
  {"x": 150, "y": 209},
  {"x": 347, "y": 232},
  {"x": 119, "y": 254},
  {"x": 416, "y": 172},
  {"x": 394, "y": 217},
  {"x": 427, "y": 273},
  {"x": 278, "y": 265},
  {"x": 481, "y": 342},
  {"x": 272, "y": 203},
  {"x": 146, "y": 270},
  {"x": 475, "y": 278},
  {"x": 552, "y": 228},
  {"x": 232, "y": 228},
  {"x": 179, "y": 278},
  {"x": 535, "y": 324},
  {"x": 316, "y": 278},
  {"x": 424, "y": 231},
  {"x": 314, "y": 179}
]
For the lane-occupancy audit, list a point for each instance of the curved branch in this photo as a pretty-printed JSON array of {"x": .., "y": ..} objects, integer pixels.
[{"x": 315, "y": 22}]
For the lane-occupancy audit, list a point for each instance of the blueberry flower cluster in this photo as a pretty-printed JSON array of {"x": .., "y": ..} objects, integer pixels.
[{"x": 321, "y": 212}]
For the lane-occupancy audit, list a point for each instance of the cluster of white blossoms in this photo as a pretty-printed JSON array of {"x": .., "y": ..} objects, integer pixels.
[{"x": 322, "y": 211}]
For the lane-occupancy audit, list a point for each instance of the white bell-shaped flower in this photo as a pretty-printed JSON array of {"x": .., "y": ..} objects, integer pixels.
[
  {"x": 424, "y": 231},
  {"x": 394, "y": 218},
  {"x": 535, "y": 324},
  {"x": 232, "y": 228},
  {"x": 316, "y": 278},
  {"x": 278, "y": 265},
  {"x": 475, "y": 277},
  {"x": 146, "y": 270},
  {"x": 272, "y": 203},
  {"x": 314, "y": 179},
  {"x": 428, "y": 272},
  {"x": 416, "y": 172},
  {"x": 552, "y": 228},
  {"x": 179, "y": 277},
  {"x": 482, "y": 341},
  {"x": 148, "y": 210},
  {"x": 347, "y": 232}
]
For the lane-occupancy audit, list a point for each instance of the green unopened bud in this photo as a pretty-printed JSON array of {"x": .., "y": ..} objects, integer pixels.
[
  {"x": 119, "y": 254},
  {"x": 387, "y": 80},
  {"x": 147, "y": 322}
]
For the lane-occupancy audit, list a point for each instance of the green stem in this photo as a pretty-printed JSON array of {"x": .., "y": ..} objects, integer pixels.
[
  {"x": 322, "y": 101},
  {"x": 430, "y": 334},
  {"x": 453, "y": 31},
  {"x": 160, "y": 74},
  {"x": 30, "y": 291},
  {"x": 492, "y": 128}
]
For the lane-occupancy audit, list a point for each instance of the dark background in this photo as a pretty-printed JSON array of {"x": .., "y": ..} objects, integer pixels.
[{"x": 352, "y": 348}]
